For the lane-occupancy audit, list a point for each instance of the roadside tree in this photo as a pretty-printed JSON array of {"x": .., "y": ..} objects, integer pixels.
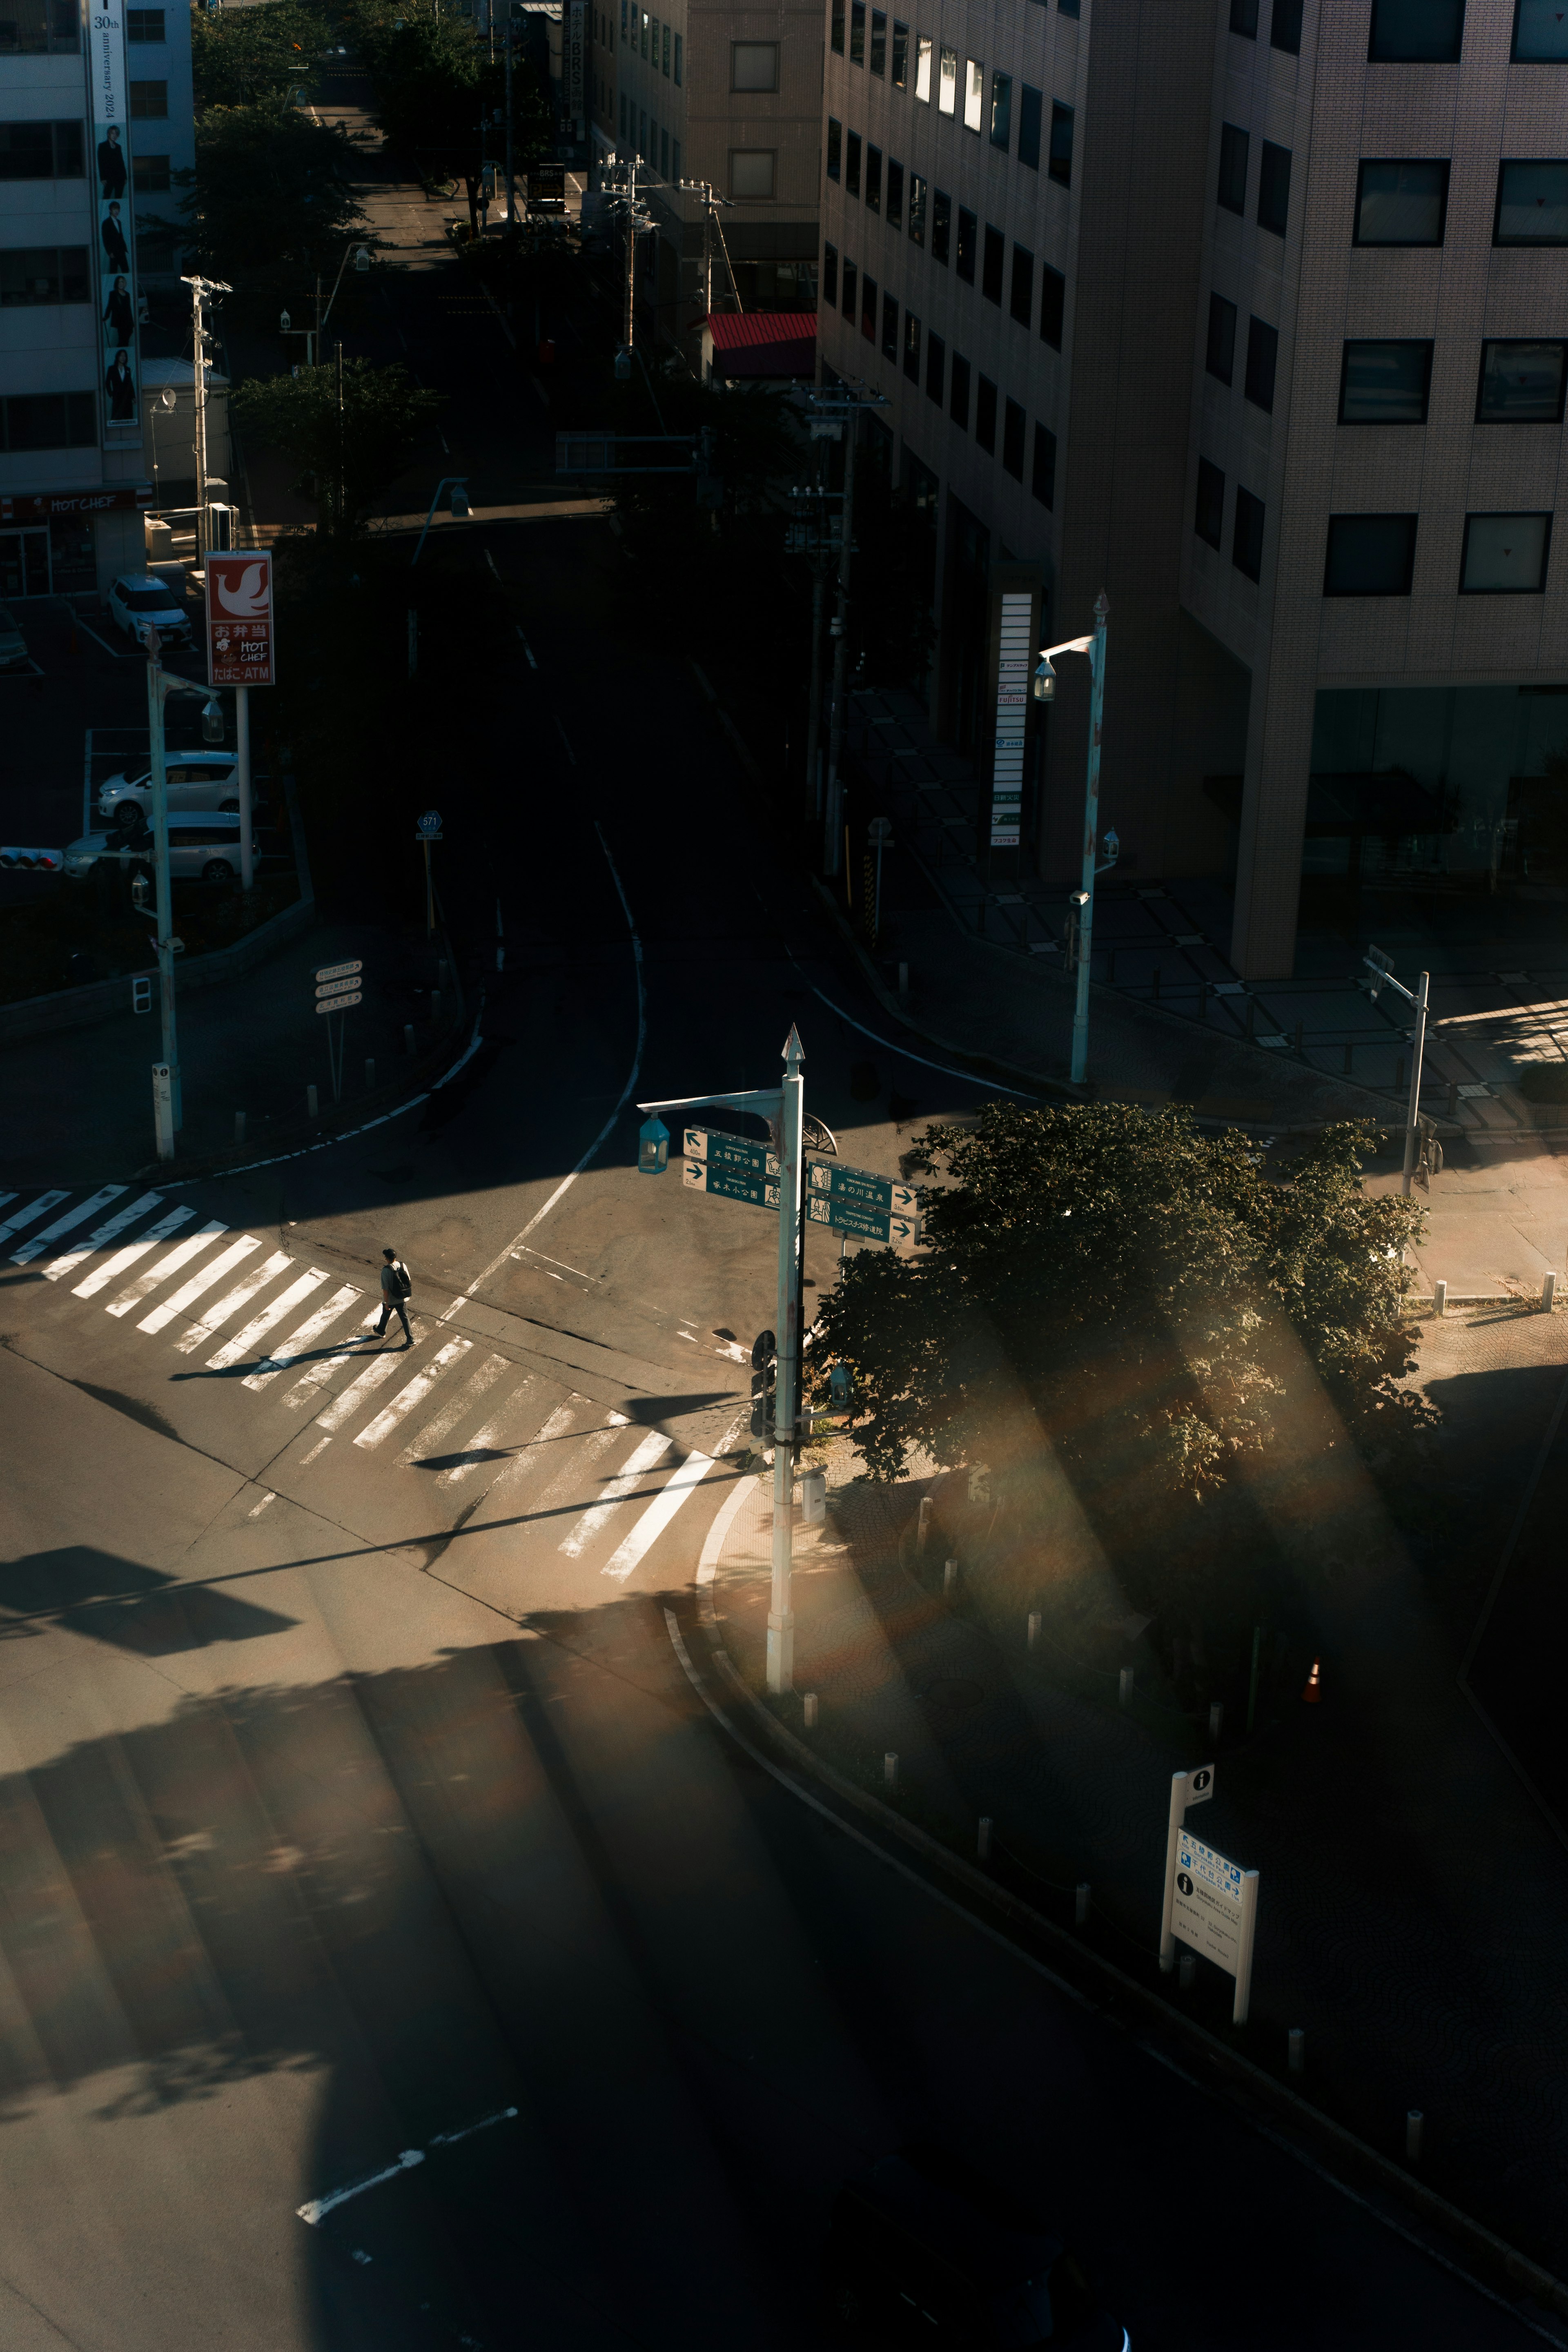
[
  {"x": 267, "y": 205},
  {"x": 242, "y": 57},
  {"x": 433, "y": 86},
  {"x": 351, "y": 434}
]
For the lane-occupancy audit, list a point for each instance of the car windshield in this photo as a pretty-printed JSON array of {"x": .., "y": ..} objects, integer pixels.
[{"x": 146, "y": 600}]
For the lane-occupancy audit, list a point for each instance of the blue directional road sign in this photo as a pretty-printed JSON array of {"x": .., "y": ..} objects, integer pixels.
[
  {"x": 855, "y": 1201},
  {"x": 730, "y": 1166}
]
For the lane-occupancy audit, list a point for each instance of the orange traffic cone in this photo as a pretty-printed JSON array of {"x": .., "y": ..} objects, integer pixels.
[{"x": 1313, "y": 1693}]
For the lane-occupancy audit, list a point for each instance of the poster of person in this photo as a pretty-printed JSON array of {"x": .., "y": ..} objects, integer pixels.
[{"x": 116, "y": 228}]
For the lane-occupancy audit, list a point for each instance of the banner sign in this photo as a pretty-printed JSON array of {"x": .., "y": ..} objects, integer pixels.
[
  {"x": 576, "y": 73},
  {"x": 116, "y": 240},
  {"x": 1013, "y": 676},
  {"x": 240, "y": 619}
]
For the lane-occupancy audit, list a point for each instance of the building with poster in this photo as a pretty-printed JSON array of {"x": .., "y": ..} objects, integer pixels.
[{"x": 95, "y": 119}]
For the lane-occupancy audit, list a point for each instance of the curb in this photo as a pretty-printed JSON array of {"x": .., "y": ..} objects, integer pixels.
[{"x": 1505, "y": 2273}]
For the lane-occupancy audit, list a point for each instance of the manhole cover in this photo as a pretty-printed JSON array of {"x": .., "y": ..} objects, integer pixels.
[{"x": 951, "y": 1697}]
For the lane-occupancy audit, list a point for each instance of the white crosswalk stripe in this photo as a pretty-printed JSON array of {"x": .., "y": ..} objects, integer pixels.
[
  {"x": 229, "y": 1304},
  {"x": 353, "y": 1350},
  {"x": 485, "y": 1442},
  {"x": 657, "y": 1516},
  {"x": 290, "y": 1351},
  {"x": 102, "y": 1275},
  {"x": 156, "y": 1275},
  {"x": 347, "y": 1403},
  {"x": 573, "y": 1473},
  {"x": 641, "y": 1459},
  {"x": 59, "y": 1267},
  {"x": 31, "y": 1214},
  {"x": 441, "y": 1425},
  {"x": 276, "y": 1311},
  {"x": 191, "y": 1290},
  {"x": 392, "y": 1416},
  {"x": 67, "y": 1224}
]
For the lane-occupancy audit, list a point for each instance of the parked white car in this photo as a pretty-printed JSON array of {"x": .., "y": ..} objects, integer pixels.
[
  {"x": 204, "y": 847},
  {"x": 196, "y": 780},
  {"x": 139, "y": 597}
]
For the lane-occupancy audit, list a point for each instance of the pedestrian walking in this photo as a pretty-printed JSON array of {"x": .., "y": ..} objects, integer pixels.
[{"x": 396, "y": 1287}]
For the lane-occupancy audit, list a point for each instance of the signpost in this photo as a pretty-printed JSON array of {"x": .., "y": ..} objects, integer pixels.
[
  {"x": 1211, "y": 1901},
  {"x": 338, "y": 985},
  {"x": 429, "y": 829},
  {"x": 730, "y": 1166},
  {"x": 855, "y": 1201},
  {"x": 239, "y": 653}
]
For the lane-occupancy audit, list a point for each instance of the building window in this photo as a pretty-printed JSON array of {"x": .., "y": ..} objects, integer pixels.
[
  {"x": 1053, "y": 306},
  {"x": 664, "y": 155},
  {"x": 1043, "y": 480},
  {"x": 835, "y": 148},
  {"x": 1285, "y": 28},
  {"x": 1233, "y": 150},
  {"x": 143, "y": 23},
  {"x": 917, "y": 209},
  {"x": 974, "y": 93},
  {"x": 1030, "y": 105},
  {"x": 1370, "y": 555},
  {"x": 936, "y": 354},
  {"x": 1023, "y": 302},
  {"x": 1220, "y": 357},
  {"x": 856, "y": 32},
  {"x": 625, "y": 134},
  {"x": 895, "y": 192},
  {"x": 967, "y": 225},
  {"x": 41, "y": 28},
  {"x": 911, "y": 347},
  {"x": 1246, "y": 539},
  {"x": 675, "y": 158},
  {"x": 1068, "y": 7},
  {"x": 1274, "y": 187},
  {"x": 900, "y": 55},
  {"x": 1262, "y": 361},
  {"x": 1401, "y": 204},
  {"x": 993, "y": 265},
  {"x": 645, "y": 20},
  {"x": 1385, "y": 383},
  {"x": 149, "y": 175},
  {"x": 868, "y": 308},
  {"x": 48, "y": 420},
  {"x": 941, "y": 223},
  {"x": 1415, "y": 32},
  {"x": 922, "y": 68},
  {"x": 1505, "y": 554},
  {"x": 890, "y": 328},
  {"x": 836, "y": 34},
  {"x": 1208, "y": 519},
  {"x": 1540, "y": 31},
  {"x": 873, "y": 179},
  {"x": 985, "y": 414},
  {"x": 878, "y": 42},
  {"x": 1013, "y": 422},
  {"x": 677, "y": 74},
  {"x": 753, "y": 65},
  {"x": 1522, "y": 384},
  {"x": 958, "y": 391},
  {"x": 664, "y": 60},
  {"x": 33, "y": 274},
  {"x": 1002, "y": 111},
  {"x": 830, "y": 277},
  {"x": 947, "y": 81},
  {"x": 751, "y": 174},
  {"x": 41, "y": 151},
  {"x": 852, "y": 163},
  {"x": 1061, "y": 163},
  {"x": 1531, "y": 204},
  {"x": 148, "y": 101},
  {"x": 1243, "y": 18},
  {"x": 850, "y": 283}
]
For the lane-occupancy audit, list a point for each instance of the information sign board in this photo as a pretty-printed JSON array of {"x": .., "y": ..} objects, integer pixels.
[
  {"x": 338, "y": 971},
  {"x": 737, "y": 1153},
  {"x": 1207, "y": 1906},
  {"x": 240, "y": 619},
  {"x": 862, "y": 1187},
  {"x": 730, "y": 1183},
  {"x": 338, "y": 1003},
  {"x": 868, "y": 1224}
]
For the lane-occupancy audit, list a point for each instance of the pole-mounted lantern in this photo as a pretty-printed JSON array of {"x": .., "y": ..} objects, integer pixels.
[{"x": 653, "y": 1146}]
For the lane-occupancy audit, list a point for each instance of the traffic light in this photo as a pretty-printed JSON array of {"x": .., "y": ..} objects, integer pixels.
[{"x": 765, "y": 1380}]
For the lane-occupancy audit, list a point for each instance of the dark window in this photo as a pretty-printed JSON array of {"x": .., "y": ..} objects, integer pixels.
[
  {"x": 1013, "y": 439},
  {"x": 1023, "y": 302},
  {"x": 878, "y": 42},
  {"x": 40, "y": 28},
  {"x": 850, "y": 281},
  {"x": 895, "y": 192},
  {"x": 32, "y": 274},
  {"x": 858, "y": 32},
  {"x": 985, "y": 412},
  {"x": 1285, "y": 28},
  {"x": 1505, "y": 554},
  {"x": 917, "y": 209},
  {"x": 1401, "y": 204},
  {"x": 148, "y": 101},
  {"x": 1385, "y": 383},
  {"x": 1002, "y": 111},
  {"x": 1540, "y": 31},
  {"x": 1370, "y": 555},
  {"x": 1243, "y": 18},
  {"x": 41, "y": 151},
  {"x": 966, "y": 228},
  {"x": 890, "y": 328},
  {"x": 900, "y": 54},
  {"x": 143, "y": 23},
  {"x": 936, "y": 353},
  {"x": 1415, "y": 32},
  {"x": 835, "y": 148},
  {"x": 149, "y": 175},
  {"x": 1220, "y": 358},
  {"x": 48, "y": 420},
  {"x": 868, "y": 308},
  {"x": 1246, "y": 540},
  {"x": 958, "y": 380},
  {"x": 1233, "y": 149},
  {"x": 1522, "y": 384},
  {"x": 838, "y": 33},
  {"x": 941, "y": 223},
  {"x": 873, "y": 179},
  {"x": 1531, "y": 204},
  {"x": 1053, "y": 306},
  {"x": 993, "y": 266},
  {"x": 1061, "y": 165},
  {"x": 911, "y": 347},
  {"x": 1068, "y": 7},
  {"x": 1208, "y": 520},
  {"x": 830, "y": 277},
  {"x": 1274, "y": 187},
  {"x": 852, "y": 163},
  {"x": 1262, "y": 361},
  {"x": 1030, "y": 102},
  {"x": 1044, "y": 483}
]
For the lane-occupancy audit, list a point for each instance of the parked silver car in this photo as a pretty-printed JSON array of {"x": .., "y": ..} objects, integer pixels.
[
  {"x": 14, "y": 653},
  {"x": 138, "y": 598},
  {"x": 196, "y": 780},
  {"x": 204, "y": 846}
]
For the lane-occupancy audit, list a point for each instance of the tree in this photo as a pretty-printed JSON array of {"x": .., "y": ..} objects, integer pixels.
[
  {"x": 240, "y": 56},
  {"x": 351, "y": 435},
  {"x": 268, "y": 206},
  {"x": 432, "y": 87}
]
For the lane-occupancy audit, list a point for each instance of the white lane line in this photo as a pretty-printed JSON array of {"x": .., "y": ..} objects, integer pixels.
[
  {"x": 392, "y": 1416},
  {"x": 33, "y": 1210},
  {"x": 290, "y": 1351},
  {"x": 197, "y": 1334},
  {"x": 486, "y": 1442},
  {"x": 188, "y": 1292},
  {"x": 244, "y": 1342},
  {"x": 316, "y": 2209},
  {"x": 59, "y": 1267},
  {"x": 321, "y": 1372},
  {"x": 114, "y": 651},
  {"x": 657, "y": 1516},
  {"x": 102, "y": 1275},
  {"x": 256, "y": 1512},
  {"x": 320, "y": 1447},
  {"x": 539, "y": 388},
  {"x": 527, "y": 648},
  {"x": 566, "y": 739},
  {"x": 145, "y": 1284},
  {"x": 490, "y": 559},
  {"x": 67, "y": 1224},
  {"x": 347, "y": 1403},
  {"x": 435, "y": 1432},
  {"x": 640, "y": 1460}
]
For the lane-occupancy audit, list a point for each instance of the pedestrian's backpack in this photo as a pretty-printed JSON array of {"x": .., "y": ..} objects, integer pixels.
[{"x": 404, "y": 1286}]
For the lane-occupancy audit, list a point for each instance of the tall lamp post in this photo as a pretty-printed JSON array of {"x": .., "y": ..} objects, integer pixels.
[
  {"x": 1381, "y": 966},
  {"x": 169, "y": 1109},
  {"x": 1083, "y": 898},
  {"x": 201, "y": 292}
]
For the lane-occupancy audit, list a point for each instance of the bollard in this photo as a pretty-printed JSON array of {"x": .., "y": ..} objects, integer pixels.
[
  {"x": 311, "y": 1100},
  {"x": 890, "y": 1768},
  {"x": 1548, "y": 1293},
  {"x": 904, "y": 983},
  {"x": 1313, "y": 1693},
  {"x": 1413, "y": 2123},
  {"x": 1188, "y": 1971},
  {"x": 923, "y": 1526},
  {"x": 409, "y": 1035},
  {"x": 501, "y": 958},
  {"x": 239, "y": 1126},
  {"x": 811, "y": 1710},
  {"x": 1126, "y": 1684},
  {"x": 434, "y": 1004},
  {"x": 1440, "y": 1299},
  {"x": 983, "y": 1838},
  {"x": 1032, "y": 1633},
  {"x": 949, "y": 1575},
  {"x": 369, "y": 1072},
  {"x": 1080, "y": 1904},
  {"x": 1295, "y": 2049},
  {"x": 1217, "y": 1716}
]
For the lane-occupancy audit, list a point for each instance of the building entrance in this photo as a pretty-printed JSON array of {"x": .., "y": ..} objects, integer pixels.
[{"x": 23, "y": 564}]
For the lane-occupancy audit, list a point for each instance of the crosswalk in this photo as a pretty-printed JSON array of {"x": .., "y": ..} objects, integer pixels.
[{"x": 599, "y": 1485}]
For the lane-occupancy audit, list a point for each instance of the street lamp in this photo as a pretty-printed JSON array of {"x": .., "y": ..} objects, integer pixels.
[
  {"x": 1045, "y": 689},
  {"x": 1381, "y": 966}
]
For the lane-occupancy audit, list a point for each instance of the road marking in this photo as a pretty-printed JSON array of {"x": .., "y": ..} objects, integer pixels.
[
  {"x": 539, "y": 388},
  {"x": 640, "y": 1459},
  {"x": 347, "y": 1403},
  {"x": 57, "y": 1268},
  {"x": 114, "y": 651},
  {"x": 320, "y": 1447},
  {"x": 192, "y": 1290},
  {"x": 430, "y": 1437},
  {"x": 527, "y": 648},
  {"x": 657, "y": 1516},
  {"x": 594, "y": 1442},
  {"x": 66, "y": 1224},
  {"x": 566, "y": 739},
  {"x": 259, "y": 1507},
  {"x": 145, "y": 1284},
  {"x": 101, "y": 1276},
  {"x": 11, "y": 1196},
  {"x": 316, "y": 2209},
  {"x": 322, "y": 1371},
  {"x": 393, "y": 1415},
  {"x": 244, "y": 1342},
  {"x": 38, "y": 1208},
  {"x": 290, "y": 1350},
  {"x": 490, "y": 1440},
  {"x": 213, "y": 1321},
  {"x": 490, "y": 559}
]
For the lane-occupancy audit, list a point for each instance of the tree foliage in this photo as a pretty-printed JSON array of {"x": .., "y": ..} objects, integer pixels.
[
  {"x": 348, "y": 452},
  {"x": 267, "y": 205},
  {"x": 243, "y": 56},
  {"x": 432, "y": 84}
]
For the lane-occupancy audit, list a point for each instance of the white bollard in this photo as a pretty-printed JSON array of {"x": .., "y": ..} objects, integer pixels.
[
  {"x": 1548, "y": 1293},
  {"x": 1217, "y": 1716},
  {"x": 369, "y": 1073},
  {"x": 1188, "y": 1971},
  {"x": 983, "y": 1838},
  {"x": 311, "y": 1100},
  {"x": 1080, "y": 1904},
  {"x": 811, "y": 1710},
  {"x": 409, "y": 1035},
  {"x": 434, "y": 1004},
  {"x": 890, "y": 1768},
  {"x": 1440, "y": 1299},
  {"x": 813, "y": 1498},
  {"x": 949, "y": 1575},
  {"x": 1126, "y": 1684},
  {"x": 1413, "y": 2123},
  {"x": 923, "y": 1528},
  {"x": 163, "y": 1109},
  {"x": 1033, "y": 1633},
  {"x": 1295, "y": 2049}
]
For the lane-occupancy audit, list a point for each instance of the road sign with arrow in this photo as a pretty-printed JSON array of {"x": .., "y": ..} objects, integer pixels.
[
  {"x": 856, "y": 1201},
  {"x": 730, "y": 1166}
]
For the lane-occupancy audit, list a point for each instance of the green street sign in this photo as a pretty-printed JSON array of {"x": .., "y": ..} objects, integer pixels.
[
  {"x": 730, "y": 1183},
  {"x": 858, "y": 1187},
  {"x": 734, "y": 1155},
  {"x": 870, "y": 1225}
]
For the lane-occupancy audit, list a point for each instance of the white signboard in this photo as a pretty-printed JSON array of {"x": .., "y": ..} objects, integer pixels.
[
  {"x": 115, "y": 241},
  {"x": 1206, "y": 1908},
  {"x": 1012, "y": 680}
]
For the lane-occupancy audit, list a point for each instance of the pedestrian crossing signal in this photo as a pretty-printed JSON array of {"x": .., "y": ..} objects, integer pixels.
[{"x": 141, "y": 995}]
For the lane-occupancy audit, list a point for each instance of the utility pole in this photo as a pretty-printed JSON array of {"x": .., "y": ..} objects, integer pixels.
[
  {"x": 342, "y": 487},
  {"x": 1082, "y": 923},
  {"x": 1381, "y": 966},
  {"x": 636, "y": 217},
  {"x": 513, "y": 13},
  {"x": 202, "y": 292},
  {"x": 846, "y": 408}
]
